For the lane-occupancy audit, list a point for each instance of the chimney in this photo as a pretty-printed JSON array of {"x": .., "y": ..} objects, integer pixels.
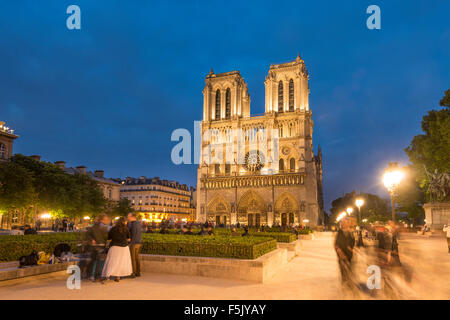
[
  {"x": 36, "y": 157},
  {"x": 81, "y": 169},
  {"x": 61, "y": 164},
  {"x": 99, "y": 173}
]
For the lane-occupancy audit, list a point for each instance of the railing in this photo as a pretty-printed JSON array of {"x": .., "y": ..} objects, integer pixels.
[{"x": 254, "y": 181}]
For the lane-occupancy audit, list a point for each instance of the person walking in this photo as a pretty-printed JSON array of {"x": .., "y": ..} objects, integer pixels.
[
  {"x": 447, "y": 229},
  {"x": 344, "y": 244},
  {"x": 97, "y": 237},
  {"x": 118, "y": 261},
  {"x": 135, "y": 229}
]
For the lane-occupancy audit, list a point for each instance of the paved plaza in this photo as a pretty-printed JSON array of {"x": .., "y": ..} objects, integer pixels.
[{"x": 312, "y": 275}]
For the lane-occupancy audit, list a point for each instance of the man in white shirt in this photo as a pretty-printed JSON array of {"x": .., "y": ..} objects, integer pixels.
[{"x": 447, "y": 229}]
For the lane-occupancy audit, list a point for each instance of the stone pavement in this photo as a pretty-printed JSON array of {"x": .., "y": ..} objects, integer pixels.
[{"x": 312, "y": 275}]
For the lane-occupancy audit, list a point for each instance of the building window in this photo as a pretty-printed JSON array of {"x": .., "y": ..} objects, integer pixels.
[
  {"x": 280, "y": 96},
  {"x": 281, "y": 165},
  {"x": 217, "y": 105},
  {"x": 228, "y": 104},
  {"x": 291, "y": 95},
  {"x": 217, "y": 168},
  {"x": 292, "y": 164},
  {"x": 2, "y": 151},
  {"x": 227, "y": 168}
]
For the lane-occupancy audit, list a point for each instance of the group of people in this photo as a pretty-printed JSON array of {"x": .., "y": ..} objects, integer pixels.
[
  {"x": 59, "y": 225},
  {"x": 114, "y": 249},
  {"x": 349, "y": 240}
]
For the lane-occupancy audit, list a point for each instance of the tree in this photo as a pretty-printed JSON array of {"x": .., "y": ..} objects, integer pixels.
[
  {"x": 59, "y": 192},
  {"x": 431, "y": 149},
  {"x": 445, "y": 101},
  {"x": 410, "y": 196},
  {"x": 374, "y": 208},
  {"x": 122, "y": 208},
  {"x": 17, "y": 193}
]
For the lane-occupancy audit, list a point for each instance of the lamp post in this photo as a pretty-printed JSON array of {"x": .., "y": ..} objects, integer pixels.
[
  {"x": 359, "y": 202},
  {"x": 391, "y": 179}
]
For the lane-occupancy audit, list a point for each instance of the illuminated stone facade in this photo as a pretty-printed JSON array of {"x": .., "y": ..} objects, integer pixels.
[
  {"x": 259, "y": 181},
  {"x": 159, "y": 199},
  {"x": 7, "y": 138}
]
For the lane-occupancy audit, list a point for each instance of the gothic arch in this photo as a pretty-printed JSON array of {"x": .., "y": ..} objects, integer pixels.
[
  {"x": 280, "y": 96},
  {"x": 291, "y": 95},
  {"x": 251, "y": 201},
  {"x": 228, "y": 103},
  {"x": 218, "y": 205},
  {"x": 218, "y": 106},
  {"x": 286, "y": 203}
]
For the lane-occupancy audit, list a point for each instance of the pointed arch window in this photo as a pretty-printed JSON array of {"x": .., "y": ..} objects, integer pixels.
[
  {"x": 280, "y": 96},
  {"x": 281, "y": 165},
  {"x": 292, "y": 165},
  {"x": 228, "y": 104},
  {"x": 217, "y": 117},
  {"x": 2, "y": 151},
  {"x": 291, "y": 95}
]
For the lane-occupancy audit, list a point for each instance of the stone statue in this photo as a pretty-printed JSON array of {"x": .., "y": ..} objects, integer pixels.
[{"x": 439, "y": 185}]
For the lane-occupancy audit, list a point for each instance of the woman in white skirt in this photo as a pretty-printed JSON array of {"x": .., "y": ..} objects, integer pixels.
[{"x": 118, "y": 261}]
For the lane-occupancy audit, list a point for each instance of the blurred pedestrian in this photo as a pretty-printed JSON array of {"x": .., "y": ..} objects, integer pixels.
[
  {"x": 97, "y": 237},
  {"x": 344, "y": 244},
  {"x": 447, "y": 230},
  {"x": 135, "y": 229}
]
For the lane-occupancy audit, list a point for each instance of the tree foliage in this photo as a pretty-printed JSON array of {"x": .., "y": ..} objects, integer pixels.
[
  {"x": 27, "y": 183},
  {"x": 410, "y": 197},
  {"x": 445, "y": 101},
  {"x": 122, "y": 208},
  {"x": 432, "y": 149},
  {"x": 374, "y": 208}
]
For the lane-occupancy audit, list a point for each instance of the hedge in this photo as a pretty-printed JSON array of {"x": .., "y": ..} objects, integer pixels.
[
  {"x": 12, "y": 247},
  {"x": 206, "y": 246},
  {"x": 279, "y": 236}
]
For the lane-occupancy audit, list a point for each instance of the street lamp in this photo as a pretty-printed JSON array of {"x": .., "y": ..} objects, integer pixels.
[
  {"x": 349, "y": 210},
  {"x": 391, "y": 179},
  {"x": 359, "y": 202}
]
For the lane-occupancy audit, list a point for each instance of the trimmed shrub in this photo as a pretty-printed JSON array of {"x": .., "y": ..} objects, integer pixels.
[
  {"x": 207, "y": 246},
  {"x": 14, "y": 246}
]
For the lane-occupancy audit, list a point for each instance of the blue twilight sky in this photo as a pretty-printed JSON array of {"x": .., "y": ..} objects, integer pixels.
[{"x": 109, "y": 95}]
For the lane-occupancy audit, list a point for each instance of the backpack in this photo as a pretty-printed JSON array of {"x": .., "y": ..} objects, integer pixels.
[{"x": 30, "y": 260}]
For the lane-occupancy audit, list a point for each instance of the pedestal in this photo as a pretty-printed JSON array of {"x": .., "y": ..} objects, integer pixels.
[{"x": 437, "y": 214}]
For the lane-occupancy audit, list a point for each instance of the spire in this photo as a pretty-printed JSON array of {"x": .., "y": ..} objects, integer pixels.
[
  {"x": 298, "y": 57},
  {"x": 212, "y": 71}
]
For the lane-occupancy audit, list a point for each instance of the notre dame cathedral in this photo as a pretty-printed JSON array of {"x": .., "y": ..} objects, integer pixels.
[{"x": 259, "y": 170}]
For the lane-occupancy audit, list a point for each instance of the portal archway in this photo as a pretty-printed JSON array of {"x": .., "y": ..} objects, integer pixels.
[{"x": 252, "y": 209}]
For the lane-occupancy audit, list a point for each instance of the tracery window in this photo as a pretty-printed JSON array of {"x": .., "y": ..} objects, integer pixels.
[
  {"x": 291, "y": 95},
  {"x": 228, "y": 104},
  {"x": 217, "y": 117},
  {"x": 280, "y": 96}
]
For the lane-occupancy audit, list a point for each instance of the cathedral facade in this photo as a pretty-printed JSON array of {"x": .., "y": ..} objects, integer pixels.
[{"x": 259, "y": 170}]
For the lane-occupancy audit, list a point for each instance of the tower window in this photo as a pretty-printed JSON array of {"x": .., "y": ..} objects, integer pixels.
[
  {"x": 281, "y": 165},
  {"x": 217, "y": 105},
  {"x": 2, "y": 151},
  {"x": 228, "y": 104},
  {"x": 217, "y": 168},
  {"x": 292, "y": 164},
  {"x": 280, "y": 96},
  {"x": 291, "y": 95}
]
